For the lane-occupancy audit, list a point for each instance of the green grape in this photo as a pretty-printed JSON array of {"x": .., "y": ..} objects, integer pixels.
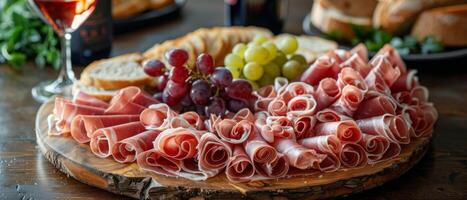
[
  {"x": 235, "y": 71},
  {"x": 272, "y": 69},
  {"x": 253, "y": 71},
  {"x": 272, "y": 50},
  {"x": 297, "y": 57},
  {"x": 239, "y": 50},
  {"x": 280, "y": 59},
  {"x": 291, "y": 69},
  {"x": 232, "y": 60},
  {"x": 260, "y": 39},
  {"x": 256, "y": 53},
  {"x": 289, "y": 45},
  {"x": 266, "y": 79}
]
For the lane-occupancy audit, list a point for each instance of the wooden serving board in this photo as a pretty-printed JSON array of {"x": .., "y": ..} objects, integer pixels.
[{"x": 77, "y": 161}]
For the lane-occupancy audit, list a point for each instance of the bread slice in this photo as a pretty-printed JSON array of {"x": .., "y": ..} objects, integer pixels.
[
  {"x": 102, "y": 94},
  {"x": 332, "y": 21},
  {"x": 114, "y": 73},
  {"x": 310, "y": 46},
  {"x": 158, "y": 4},
  {"x": 448, "y": 24},
  {"x": 122, "y": 9},
  {"x": 356, "y": 8},
  {"x": 398, "y": 16}
]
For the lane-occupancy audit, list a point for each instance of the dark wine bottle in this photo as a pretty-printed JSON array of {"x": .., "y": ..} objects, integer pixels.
[{"x": 93, "y": 39}]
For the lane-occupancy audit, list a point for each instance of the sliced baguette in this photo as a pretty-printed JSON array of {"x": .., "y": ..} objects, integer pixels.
[
  {"x": 356, "y": 8},
  {"x": 448, "y": 24},
  {"x": 122, "y": 9},
  {"x": 114, "y": 73}
]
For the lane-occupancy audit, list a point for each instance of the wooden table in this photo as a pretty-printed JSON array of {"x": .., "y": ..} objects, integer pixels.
[{"x": 25, "y": 173}]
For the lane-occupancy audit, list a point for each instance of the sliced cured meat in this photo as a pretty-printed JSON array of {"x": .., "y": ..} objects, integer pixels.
[
  {"x": 259, "y": 150},
  {"x": 191, "y": 170},
  {"x": 430, "y": 115},
  {"x": 135, "y": 95},
  {"x": 420, "y": 93},
  {"x": 193, "y": 119},
  {"x": 349, "y": 100},
  {"x": 211, "y": 122},
  {"x": 339, "y": 55},
  {"x": 178, "y": 143},
  {"x": 403, "y": 97},
  {"x": 103, "y": 140},
  {"x": 277, "y": 168},
  {"x": 330, "y": 146},
  {"x": 65, "y": 112},
  {"x": 303, "y": 126},
  {"x": 405, "y": 82},
  {"x": 82, "y": 98},
  {"x": 266, "y": 92},
  {"x": 326, "y": 93},
  {"x": 303, "y": 105},
  {"x": 394, "y": 149},
  {"x": 157, "y": 116},
  {"x": 126, "y": 150},
  {"x": 236, "y": 134},
  {"x": 213, "y": 153},
  {"x": 124, "y": 107},
  {"x": 244, "y": 114},
  {"x": 393, "y": 127},
  {"x": 239, "y": 167},
  {"x": 383, "y": 67},
  {"x": 349, "y": 76},
  {"x": 297, "y": 155},
  {"x": 321, "y": 68},
  {"x": 273, "y": 130},
  {"x": 83, "y": 126},
  {"x": 376, "y": 106},
  {"x": 277, "y": 107},
  {"x": 154, "y": 161},
  {"x": 329, "y": 115},
  {"x": 296, "y": 89},
  {"x": 375, "y": 146},
  {"x": 261, "y": 118},
  {"x": 393, "y": 57},
  {"x": 179, "y": 122},
  {"x": 281, "y": 120},
  {"x": 353, "y": 155},
  {"x": 376, "y": 82},
  {"x": 280, "y": 83},
  {"x": 346, "y": 131},
  {"x": 361, "y": 51}
]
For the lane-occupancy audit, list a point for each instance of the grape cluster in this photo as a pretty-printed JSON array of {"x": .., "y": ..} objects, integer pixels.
[
  {"x": 261, "y": 61},
  {"x": 204, "y": 89}
]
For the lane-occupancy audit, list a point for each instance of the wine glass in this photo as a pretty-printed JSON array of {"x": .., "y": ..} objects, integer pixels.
[{"x": 65, "y": 16}]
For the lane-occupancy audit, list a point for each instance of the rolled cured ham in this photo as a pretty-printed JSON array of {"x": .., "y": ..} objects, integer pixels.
[
  {"x": 130, "y": 100},
  {"x": 239, "y": 167},
  {"x": 193, "y": 119},
  {"x": 420, "y": 93},
  {"x": 126, "y": 150},
  {"x": 244, "y": 114},
  {"x": 405, "y": 82},
  {"x": 329, "y": 115},
  {"x": 349, "y": 100},
  {"x": 103, "y": 140},
  {"x": 296, "y": 89},
  {"x": 178, "y": 143},
  {"x": 361, "y": 51},
  {"x": 298, "y": 156},
  {"x": 65, "y": 112},
  {"x": 375, "y": 147},
  {"x": 349, "y": 76},
  {"x": 326, "y": 93},
  {"x": 154, "y": 161},
  {"x": 383, "y": 67},
  {"x": 280, "y": 83},
  {"x": 82, "y": 98},
  {"x": 157, "y": 116},
  {"x": 376, "y": 106},
  {"x": 387, "y": 125},
  {"x": 277, "y": 107},
  {"x": 321, "y": 68},
  {"x": 352, "y": 155},
  {"x": 83, "y": 126},
  {"x": 358, "y": 64},
  {"x": 303, "y": 126},
  {"x": 330, "y": 146},
  {"x": 234, "y": 132},
  {"x": 276, "y": 130},
  {"x": 303, "y": 105},
  {"x": 213, "y": 153},
  {"x": 376, "y": 82},
  {"x": 346, "y": 131},
  {"x": 392, "y": 56}
]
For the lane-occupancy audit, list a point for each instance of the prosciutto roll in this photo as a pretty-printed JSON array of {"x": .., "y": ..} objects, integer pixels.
[
  {"x": 154, "y": 161},
  {"x": 298, "y": 156},
  {"x": 244, "y": 114},
  {"x": 392, "y": 56},
  {"x": 375, "y": 147},
  {"x": 303, "y": 126},
  {"x": 82, "y": 98},
  {"x": 157, "y": 116},
  {"x": 358, "y": 64},
  {"x": 130, "y": 100},
  {"x": 330, "y": 146},
  {"x": 375, "y": 82},
  {"x": 193, "y": 119},
  {"x": 326, "y": 93},
  {"x": 213, "y": 153},
  {"x": 348, "y": 76},
  {"x": 234, "y": 132},
  {"x": 303, "y": 105},
  {"x": 405, "y": 82},
  {"x": 126, "y": 150},
  {"x": 239, "y": 167},
  {"x": 361, "y": 51},
  {"x": 321, "y": 68},
  {"x": 296, "y": 89},
  {"x": 329, "y": 115},
  {"x": 353, "y": 155},
  {"x": 346, "y": 131},
  {"x": 383, "y": 67},
  {"x": 277, "y": 107},
  {"x": 275, "y": 130},
  {"x": 420, "y": 93},
  {"x": 178, "y": 143},
  {"x": 376, "y": 106},
  {"x": 280, "y": 83},
  {"x": 83, "y": 126},
  {"x": 392, "y": 127},
  {"x": 103, "y": 140},
  {"x": 349, "y": 101},
  {"x": 65, "y": 112}
]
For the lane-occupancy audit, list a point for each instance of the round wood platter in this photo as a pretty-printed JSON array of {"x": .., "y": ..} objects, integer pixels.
[{"x": 77, "y": 161}]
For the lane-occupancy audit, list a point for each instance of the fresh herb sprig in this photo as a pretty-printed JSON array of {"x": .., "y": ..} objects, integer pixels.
[{"x": 23, "y": 37}]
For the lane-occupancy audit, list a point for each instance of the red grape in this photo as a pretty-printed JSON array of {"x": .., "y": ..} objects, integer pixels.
[
  {"x": 179, "y": 74},
  {"x": 176, "y": 57},
  {"x": 154, "y": 67},
  {"x": 176, "y": 90},
  {"x": 217, "y": 107},
  {"x": 240, "y": 89},
  {"x": 205, "y": 64},
  {"x": 236, "y": 105},
  {"x": 221, "y": 77},
  {"x": 186, "y": 101},
  {"x": 200, "y": 92},
  {"x": 168, "y": 99},
  {"x": 162, "y": 82}
]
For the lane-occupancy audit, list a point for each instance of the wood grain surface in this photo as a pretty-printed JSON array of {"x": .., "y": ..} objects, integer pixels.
[{"x": 26, "y": 174}]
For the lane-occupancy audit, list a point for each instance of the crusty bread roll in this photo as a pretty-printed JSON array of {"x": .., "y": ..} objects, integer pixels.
[
  {"x": 356, "y": 8},
  {"x": 122, "y": 9},
  {"x": 448, "y": 24},
  {"x": 333, "y": 21},
  {"x": 398, "y": 16}
]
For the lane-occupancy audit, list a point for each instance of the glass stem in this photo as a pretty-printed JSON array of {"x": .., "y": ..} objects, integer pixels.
[{"x": 66, "y": 70}]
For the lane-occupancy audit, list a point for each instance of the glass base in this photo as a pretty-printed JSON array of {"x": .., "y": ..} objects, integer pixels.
[{"x": 44, "y": 90}]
